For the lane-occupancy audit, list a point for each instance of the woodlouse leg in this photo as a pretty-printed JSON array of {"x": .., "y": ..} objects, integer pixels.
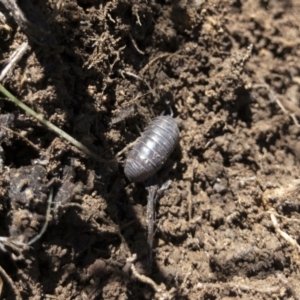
[{"x": 124, "y": 150}]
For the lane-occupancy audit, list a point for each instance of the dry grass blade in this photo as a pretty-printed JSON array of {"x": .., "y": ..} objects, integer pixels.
[{"x": 51, "y": 126}]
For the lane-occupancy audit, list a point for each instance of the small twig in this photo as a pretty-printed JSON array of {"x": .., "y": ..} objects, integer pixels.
[
  {"x": 110, "y": 18},
  {"x": 275, "y": 99},
  {"x": 154, "y": 192},
  {"x": 294, "y": 118},
  {"x": 283, "y": 234},
  {"x": 131, "y": 74},
  {"x": 189, "y": 200},
  {"x": 153, "y": 61},
  {"x": 138, "y": 20},
  {"x": 50, "y": 296},
  {"x": 46, "y": 221},
  {"x": 14, "y": 58},
  {"x": 161, "y": 292},
  {"x": 141, "y": 79},
  {"x": 51, "y": 126},
  {"x": 4, "y": 239},
  {"x": 287, "y": 107},
  {"x": 284, "y": 217},
  {"x": 22, "y": 137},
  {"x": 238, "y": 287},
  {"x": 1, "y": 286},
  {"x": 151, "y": 218},
  {"x": 10, "y": 282},
  {"x": 145, "y": 279},
  {"x": 135, "y": 45}
]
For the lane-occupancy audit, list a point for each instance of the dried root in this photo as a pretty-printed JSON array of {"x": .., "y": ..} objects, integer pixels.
[
  {"x": 275, "y": 199},
  {"x": 10, "y": 283},
  {"x": 161, "y": 292}
]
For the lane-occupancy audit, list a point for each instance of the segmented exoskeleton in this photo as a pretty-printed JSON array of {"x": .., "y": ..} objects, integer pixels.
[{"x": 152, "y": 149}]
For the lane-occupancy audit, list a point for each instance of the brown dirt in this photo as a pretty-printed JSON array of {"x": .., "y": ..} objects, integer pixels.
[{"x": 234, "y": 174}]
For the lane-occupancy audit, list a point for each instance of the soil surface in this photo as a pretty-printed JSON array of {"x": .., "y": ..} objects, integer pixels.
[{"x": 228, "y": 225}]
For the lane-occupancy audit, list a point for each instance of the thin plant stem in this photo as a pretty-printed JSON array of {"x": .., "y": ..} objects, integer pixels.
[{"x": 51, "y": 126}]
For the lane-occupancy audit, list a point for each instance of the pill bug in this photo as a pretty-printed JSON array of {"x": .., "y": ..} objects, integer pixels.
[{"x": 152, "y": 149}]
